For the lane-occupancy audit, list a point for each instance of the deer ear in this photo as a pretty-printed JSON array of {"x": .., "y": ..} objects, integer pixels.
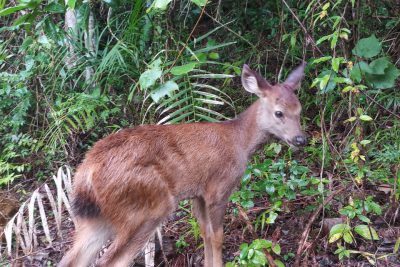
[
  {"x": 253, "y": 82},
  {"x": 294, "y": 79}
]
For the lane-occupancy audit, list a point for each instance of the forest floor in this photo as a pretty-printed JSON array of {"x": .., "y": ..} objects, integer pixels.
[{"x": 183, "y": 247}]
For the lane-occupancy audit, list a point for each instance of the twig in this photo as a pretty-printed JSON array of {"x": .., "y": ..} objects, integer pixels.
[
  {"x": 190, "y": 35},
  {"x": 380, "y": 105},
  {"x": 230, "y": 30},
  {"x": 309, "y": 37},
  {"x": 310, "y": 222}
]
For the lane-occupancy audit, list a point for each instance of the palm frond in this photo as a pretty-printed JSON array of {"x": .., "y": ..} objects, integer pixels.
[{"x": 31, "y": 226}]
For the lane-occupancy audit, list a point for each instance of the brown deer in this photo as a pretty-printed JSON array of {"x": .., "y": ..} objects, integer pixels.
[{"x": 130, "y": 181}]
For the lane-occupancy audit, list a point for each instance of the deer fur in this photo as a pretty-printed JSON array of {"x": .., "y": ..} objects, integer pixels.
[{"x": 130, "y": 181}]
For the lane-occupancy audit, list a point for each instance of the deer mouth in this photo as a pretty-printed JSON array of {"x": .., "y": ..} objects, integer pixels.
[{"x": 291, "y": 144}]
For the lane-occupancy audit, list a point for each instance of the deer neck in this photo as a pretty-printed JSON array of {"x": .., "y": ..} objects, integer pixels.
[{"x": 249, "y": 135}]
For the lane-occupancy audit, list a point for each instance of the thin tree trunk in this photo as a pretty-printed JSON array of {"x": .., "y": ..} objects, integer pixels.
[
  {"x": 72, "y": 31},
  {"x": 90, "y": 46}
]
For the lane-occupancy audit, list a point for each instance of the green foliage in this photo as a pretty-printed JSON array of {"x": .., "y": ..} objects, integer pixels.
[
  {"x": 366, "y": 232},
  {"x": 278, "y": 180},
  {"x": 150, "y": 64},
  {"x": 367, "y": 47},
  {"x": 182, "y": 97},
  {"x": 252, "y": 255}
]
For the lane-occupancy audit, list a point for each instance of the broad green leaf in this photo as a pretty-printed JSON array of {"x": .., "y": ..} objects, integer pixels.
[
  {"x": 278, "y": 263},
  {"x": 244, "y": 249},
  {"x": 44, "y": 41},
  {"x": 365, "y": 142},
  {"x": 343, "y": 80},
  {"x": 250, "y": 254},
  {"x": 54, "y": 8},
  {"x": 348, "y": 238},
  {"x": 379, "y": 65},
  {"x": 347, "y": 89},
  {"x": 10, "y": 10},
  {"x": 213, "y": 55},
  {"x": 335, "y": 237},
  {"x": 336, "y": 62},
  {"x": 262, "y": 244},
  {"x": 277, "y": 249},
  {"x": 155, "y": 64},
  {"x": 360, "y": 216},
  {"x": 71, "y": 4},
  {"x": 358, "y": 71},
  {"x": 272, "y": 217},
  {"x": 337, "y": 231},
  {"x": 165, "y": 89},
  {"x": 150, "y": 76},
  {"x": 365, "y": 118},
  {"x": 326, "y": 81},
  {"x": 180, "y": 70},
  {"x": 367, "y": 47},
  {"x": 201, "y": 57},
  {"x": 160, "y": 4},
  {"x": 323, "y": 39},
  {"x": 386, "y": 80},
  {"x": 321, "y": 59},
  {"x": 277, "y": 148},
  {"x": 270, "y": 188},
  {"x": 364, "y": 231},
  {"x": 259, "y": 258},
  {"x": 200, "y": 3}
]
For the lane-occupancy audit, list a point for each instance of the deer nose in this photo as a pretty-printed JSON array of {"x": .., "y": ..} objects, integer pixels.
[{"x": 299, "y": 140}]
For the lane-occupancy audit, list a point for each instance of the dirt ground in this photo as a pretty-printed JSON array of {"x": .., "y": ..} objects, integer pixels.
[{"x": 287, "y": 231}]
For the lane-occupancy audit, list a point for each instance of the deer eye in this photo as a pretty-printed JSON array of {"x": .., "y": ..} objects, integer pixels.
[{"x": 279, "y": 114}]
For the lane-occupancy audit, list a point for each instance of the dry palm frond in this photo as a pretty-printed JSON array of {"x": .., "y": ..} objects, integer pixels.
[{"x": 30, "y": 227}]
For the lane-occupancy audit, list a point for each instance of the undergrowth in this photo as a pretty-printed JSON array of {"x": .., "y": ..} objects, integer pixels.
[{"x": 125, "y": 63}]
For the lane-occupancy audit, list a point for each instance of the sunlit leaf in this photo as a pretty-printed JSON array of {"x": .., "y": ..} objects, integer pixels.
[
  {"x": 365, "y": 118},
  {"x": 11, "y": 10},
  {"x": 165, "y": 89},
  {"x": 180, "y": 70},
  {"x": 347, "y": 237},
  {"x": 368, "y": 232},
  {"x": 71, "y": 4},
  {"x": 276, "y": 249},
  {"x": 337, "y": 231},
  {"x": 200, "y": 3},
  {"x": 160, "y": 4},
  {"x": 150, "y": 76}
]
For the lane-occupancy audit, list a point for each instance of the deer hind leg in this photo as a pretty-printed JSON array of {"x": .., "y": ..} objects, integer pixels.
[
  {"x": 200, "y": 212},
  {"x": 90, "y": 235},
  {"x": 132, "y": 235}
]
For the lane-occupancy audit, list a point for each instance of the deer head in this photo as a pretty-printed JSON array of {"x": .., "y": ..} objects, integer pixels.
[{"x": 279, "y": 112}]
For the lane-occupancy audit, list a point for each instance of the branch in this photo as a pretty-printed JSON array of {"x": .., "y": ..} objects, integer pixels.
[{"x": 309, "y": 224}]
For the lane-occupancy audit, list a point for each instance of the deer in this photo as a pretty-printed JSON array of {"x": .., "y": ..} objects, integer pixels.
[{"x": 131, "y": 181}]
